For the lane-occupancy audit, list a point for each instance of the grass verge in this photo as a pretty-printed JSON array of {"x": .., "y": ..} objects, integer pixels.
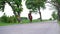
[
  {"x": 59, "y": 22},
  {"x": 22, "y": 22}
]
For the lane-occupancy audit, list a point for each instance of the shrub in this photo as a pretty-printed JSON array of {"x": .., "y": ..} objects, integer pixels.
[
  {"x": 6, "y": 19},
  {"x": 50, "y": 19},
  {"x": 54, "y": 15}
]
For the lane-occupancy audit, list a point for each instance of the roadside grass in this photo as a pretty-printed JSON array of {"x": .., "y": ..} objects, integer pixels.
[
  {"x": 22, "y": 22},
  {"x": 6, "y": 24},
  {"x": 3, "y": 24},
  {"x": 33, "y": 21},
  {"x": 59, "y": 22}
]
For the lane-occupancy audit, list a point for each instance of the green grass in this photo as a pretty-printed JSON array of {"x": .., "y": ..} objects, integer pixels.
[
  {"x": 59, "y": 22},
  {"x": 6, "y": 24},
  {"x": 25, "y": 21},
  {"x": 3, "y": 24},
  {"x": 22, "y": 22}
]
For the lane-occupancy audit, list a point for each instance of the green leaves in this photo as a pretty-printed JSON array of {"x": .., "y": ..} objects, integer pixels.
[
  {"x": 34, "y": 4},
  {"x": 58, "y": 1},
  {"x": 54, "y": 15},
  {"x": 18, "y": 1},
  {"x": 2, "y": 3}
]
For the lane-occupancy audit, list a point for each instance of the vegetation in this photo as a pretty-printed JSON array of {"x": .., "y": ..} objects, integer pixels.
[
  {"x": 6, "y": 19},
  {"x": 50, "y": 19},
  {"x": 35, "y": 5},
  {"x": 54, "y": 15},
  {"x": 32, "y": 5},
  {"x": 15, "y": 5},
  {"x": 22, "y": 22},
  {"x": 56, "y": 4}
]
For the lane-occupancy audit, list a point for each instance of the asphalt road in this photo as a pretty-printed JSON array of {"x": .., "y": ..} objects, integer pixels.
[{"x": 50, "y": 27}]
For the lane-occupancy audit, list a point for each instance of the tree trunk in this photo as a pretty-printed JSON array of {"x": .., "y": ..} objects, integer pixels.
[
  {"x": 58, "y": 8},
  {"x": 18, "y": 18},
  {"x": 59, "y": 13},
  {"x": 40, "y": 14}
]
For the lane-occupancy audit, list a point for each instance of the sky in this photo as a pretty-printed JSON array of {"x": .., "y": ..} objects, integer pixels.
[{"x": 46, "y": 13}]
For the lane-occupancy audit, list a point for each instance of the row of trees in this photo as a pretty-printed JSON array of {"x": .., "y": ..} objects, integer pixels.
[{"x": 33, "y": 5}]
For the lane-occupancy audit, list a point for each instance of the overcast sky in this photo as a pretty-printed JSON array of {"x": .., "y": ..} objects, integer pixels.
[{"x": 46, "y": 13}]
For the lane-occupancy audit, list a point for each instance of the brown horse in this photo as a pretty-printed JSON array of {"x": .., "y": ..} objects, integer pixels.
[{"x": 30, "y": 16}]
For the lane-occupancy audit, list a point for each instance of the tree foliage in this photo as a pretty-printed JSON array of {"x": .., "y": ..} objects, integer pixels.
[
  {"x": 35, "y": 5},
  {"x": 54, "y": 15},
  {"x": 15, "y": 5},
  {"x": 56, "y": 3}
]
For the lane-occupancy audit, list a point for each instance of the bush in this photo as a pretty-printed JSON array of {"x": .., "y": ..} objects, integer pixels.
[
  {"x": 50, "y": 19},
  {"x": 11, "y": 19},
  {"x": 24, "y": 18},
  {"x": 54, "y": 15},
  {"x": 6, "y": 19}
]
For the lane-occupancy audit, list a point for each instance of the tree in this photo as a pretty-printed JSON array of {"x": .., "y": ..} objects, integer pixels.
[
  {"x": 56, "y": 3},
  {"x": 15, "y": 5},
  {"x": 17, "y": 8},
  {"x": 35, "y": 5},
  {"x": 2, "y": 5},
  {"x": 54, "y": 15}
]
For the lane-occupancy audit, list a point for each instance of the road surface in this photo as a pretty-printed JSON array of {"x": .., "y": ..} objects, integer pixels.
[{"x": 50, "y": 27}]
